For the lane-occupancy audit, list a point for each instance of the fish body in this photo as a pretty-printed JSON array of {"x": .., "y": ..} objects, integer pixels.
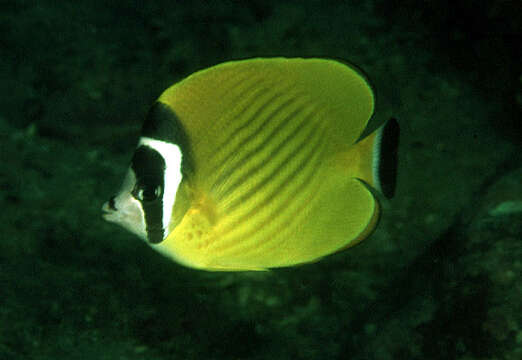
[{"x": 256, "y": 164}]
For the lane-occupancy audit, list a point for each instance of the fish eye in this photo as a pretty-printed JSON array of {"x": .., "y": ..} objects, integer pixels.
[{"x": 148, "y": 193}]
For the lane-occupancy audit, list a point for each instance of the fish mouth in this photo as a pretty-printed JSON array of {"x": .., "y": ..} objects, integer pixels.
[
  {"x": 106, "y": 208},
  {"x": 108, "y": 217},
  {"x": 112, "y": 217},
  {"x": 108, "y": 213}
]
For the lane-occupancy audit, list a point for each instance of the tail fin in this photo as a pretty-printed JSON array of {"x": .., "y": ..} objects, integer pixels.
[{"x": 385, "y": 157}]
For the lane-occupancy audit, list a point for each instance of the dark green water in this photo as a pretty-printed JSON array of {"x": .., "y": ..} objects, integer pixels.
[{"x": 439, "y": 279}]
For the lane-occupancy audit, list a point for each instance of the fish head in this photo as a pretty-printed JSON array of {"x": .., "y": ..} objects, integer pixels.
[{"x": 145, "y": 201}]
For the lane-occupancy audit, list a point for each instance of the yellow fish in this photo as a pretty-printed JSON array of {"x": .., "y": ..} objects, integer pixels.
[{"x": 257, "y": 164}]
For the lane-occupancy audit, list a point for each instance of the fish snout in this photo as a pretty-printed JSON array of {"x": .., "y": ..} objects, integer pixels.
[{"x": 109, "y": 208}]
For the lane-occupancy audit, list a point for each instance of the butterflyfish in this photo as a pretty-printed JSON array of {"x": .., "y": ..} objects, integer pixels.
[{"x": 258, "y": 164}]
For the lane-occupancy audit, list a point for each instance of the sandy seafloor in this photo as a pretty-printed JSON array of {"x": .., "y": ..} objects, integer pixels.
[{"x": 439, "y": 279}]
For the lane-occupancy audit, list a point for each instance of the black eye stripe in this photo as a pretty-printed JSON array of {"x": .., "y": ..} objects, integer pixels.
[
  {"x": 149, "y": 168},
  {"x": 161, "y": 124}
]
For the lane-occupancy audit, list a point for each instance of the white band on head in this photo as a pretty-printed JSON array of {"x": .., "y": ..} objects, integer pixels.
[{"x": 171, "y": 153}]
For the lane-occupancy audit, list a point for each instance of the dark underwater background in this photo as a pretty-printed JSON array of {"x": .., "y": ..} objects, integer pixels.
[{"x": 439, "y": 279}]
